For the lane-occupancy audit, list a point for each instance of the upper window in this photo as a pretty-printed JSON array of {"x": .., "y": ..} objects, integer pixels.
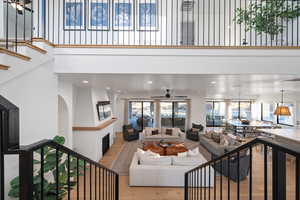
[
  {"x": 215, "y": 114},
  {"x": 268, "y": 112},
  {"x": 240, "y": 110},
  {"x": 287, "y": 120}
]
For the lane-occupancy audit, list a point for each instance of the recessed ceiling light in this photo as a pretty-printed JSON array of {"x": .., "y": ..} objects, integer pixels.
[
  {"x": 149, "y": 82},
  {"x": 85, "y": 82},
  {"x": 118, "y": 91},
  {"x": 213, "y": 82},
  {"x": 108, "y": 88}
]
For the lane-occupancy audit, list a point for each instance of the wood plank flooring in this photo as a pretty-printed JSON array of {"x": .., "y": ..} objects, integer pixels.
[{"x": 164, "y": 193}]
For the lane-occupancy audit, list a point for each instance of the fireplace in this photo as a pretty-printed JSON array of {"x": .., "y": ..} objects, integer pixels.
[{"x": 105, "y": 144}]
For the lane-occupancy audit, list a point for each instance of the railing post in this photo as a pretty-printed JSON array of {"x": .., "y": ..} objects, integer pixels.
[
  {"x": 117, "y": 187},
  {"x": 279, "y": 174},
  {"x": 186, "y": 197},
  {"x": 26, "y": 175}
]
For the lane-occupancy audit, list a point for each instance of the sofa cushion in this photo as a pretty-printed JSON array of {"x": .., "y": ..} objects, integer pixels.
[
  {"x": 198, "y": 126},
  {"x": 183, "y": 154},
  {"x": 169, "y": 131},
  {"x": 155, "y": 132},
  {"x": 194, "y": 152},
  {"x": 162, "y": 160},
  {"x": 216, "y": 137},
  {"x": 187, "y": 161},
  {"x": 130, "y": 131},
  {"x": 211, "y": 146}
]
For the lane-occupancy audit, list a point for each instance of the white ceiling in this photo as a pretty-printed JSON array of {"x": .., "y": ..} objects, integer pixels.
[{"x": 212, "y": 86}]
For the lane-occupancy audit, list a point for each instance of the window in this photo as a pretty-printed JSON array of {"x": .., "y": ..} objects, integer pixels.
[
  {"x": 215, "y": 114},
  {"x": 287, "y": 120},
  {"x": 233, "y": 109},
  {"x": 173, "y": 114},
  {"x": 245, "y": 110},
  {"x": 240, "y": 110},
  {"x": 268, "y": 112},
  {"x": 141, "y": 114}
]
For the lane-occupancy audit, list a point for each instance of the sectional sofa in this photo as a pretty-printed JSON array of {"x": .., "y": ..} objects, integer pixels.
[
  {"x": 168, "y": 172},
  {"x": 147, "y": 134}
]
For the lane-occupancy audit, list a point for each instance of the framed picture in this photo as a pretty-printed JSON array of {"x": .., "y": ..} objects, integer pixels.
[
  {"x": 100, "y": 110},
  {"x": 107, "y": 111},
  {"x": 74, "y": 14},
  {"x": 123, "y": 15},
  {"x": 99, "y": 14},
  {"x": 147, "y": 13}
]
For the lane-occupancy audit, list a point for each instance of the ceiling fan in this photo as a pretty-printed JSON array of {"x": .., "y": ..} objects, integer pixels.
[
  {"x": 20, "y": 5},
  {"x": 169, "y": 95}
]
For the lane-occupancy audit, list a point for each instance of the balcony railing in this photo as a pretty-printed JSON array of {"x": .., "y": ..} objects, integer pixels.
[{"x": 158, "y": 23}]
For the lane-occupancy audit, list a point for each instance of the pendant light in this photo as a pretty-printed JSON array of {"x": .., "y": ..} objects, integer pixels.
[{"x": 282, "y": 109}]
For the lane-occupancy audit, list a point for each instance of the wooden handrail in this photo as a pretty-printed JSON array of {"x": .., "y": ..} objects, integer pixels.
[
  {"x": 95, "y": 128},
  {"x": 4, "y": 67}
]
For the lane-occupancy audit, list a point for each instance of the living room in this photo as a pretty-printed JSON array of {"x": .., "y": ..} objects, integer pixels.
[
  {"x": 165, "y": 116},
  {"x": 149, "y": 99}
]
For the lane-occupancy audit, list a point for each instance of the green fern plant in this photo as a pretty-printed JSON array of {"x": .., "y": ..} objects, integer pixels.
[
  {"x": 49, "y": 192},
  {"x": 268, "y": 16}
]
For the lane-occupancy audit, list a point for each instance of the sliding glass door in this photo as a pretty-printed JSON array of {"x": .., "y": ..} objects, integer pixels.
[
  {"x": 215, "y": 114},
  {"x": 166, "y": 114},
  {"x": 141, "y": 114},
  {"x": 173, "y": 114}
]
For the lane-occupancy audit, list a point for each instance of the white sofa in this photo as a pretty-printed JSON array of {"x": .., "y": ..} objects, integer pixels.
[
  {"x": 165, "y": 175},
  {"x": 147, "y": 134}
]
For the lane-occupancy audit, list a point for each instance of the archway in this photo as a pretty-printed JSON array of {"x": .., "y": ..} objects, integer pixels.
[{"x": 63, "y": 120}]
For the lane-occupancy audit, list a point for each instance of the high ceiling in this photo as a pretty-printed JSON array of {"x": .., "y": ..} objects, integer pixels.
[{"x": 212, "y": 86}]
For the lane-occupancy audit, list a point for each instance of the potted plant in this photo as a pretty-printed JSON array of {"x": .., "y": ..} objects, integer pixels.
[
  {"x": 50, "y": 174},
  {"x": 268, "y": 16}
]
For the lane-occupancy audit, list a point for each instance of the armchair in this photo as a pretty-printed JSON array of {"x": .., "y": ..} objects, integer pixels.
[
  {"x": 130, "y": 135},
  {"x": 193, "y": 133}
]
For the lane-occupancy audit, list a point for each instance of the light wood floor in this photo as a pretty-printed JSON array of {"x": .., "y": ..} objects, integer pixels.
[{"x": 163, "y": 193}]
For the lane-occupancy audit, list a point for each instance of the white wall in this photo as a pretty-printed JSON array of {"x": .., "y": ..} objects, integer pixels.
[
  {"x": 180, "y": 61},
  {"x": 84, "y": 108},
  {"x": 35, "y": 93},
  {"x": 89, "y": 143},
  {"x": 66, "y": 92},
  {"x": 198, "y": 111}
]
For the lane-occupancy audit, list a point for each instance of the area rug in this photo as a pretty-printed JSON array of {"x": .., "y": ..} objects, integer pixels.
[{"x": 122, "y": 163}]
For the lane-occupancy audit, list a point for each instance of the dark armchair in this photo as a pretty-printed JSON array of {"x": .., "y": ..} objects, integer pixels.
[
  {"x": 129, "y": 133},
  {"x": 193, "y": 133}
]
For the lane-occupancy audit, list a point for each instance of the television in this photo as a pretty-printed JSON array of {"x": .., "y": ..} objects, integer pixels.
[
  {"x": 9, "y": 129},
  {"x": 104, "y": 110}
]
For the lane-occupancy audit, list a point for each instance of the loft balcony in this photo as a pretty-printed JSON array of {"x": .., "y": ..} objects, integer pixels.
[{"x": 154, "y": 23}]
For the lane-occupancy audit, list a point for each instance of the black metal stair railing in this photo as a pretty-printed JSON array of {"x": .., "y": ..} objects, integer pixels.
[
  {"x": 172, "y": 23},
  {"x": 232, "y": 175},
  {"x": 17, "y": 24},
  {"x": 79, "y": 177}
]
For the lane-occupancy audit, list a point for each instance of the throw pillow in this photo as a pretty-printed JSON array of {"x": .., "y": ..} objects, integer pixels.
[
  {"x": 155, "y": 132},
  {"x": 183, "y": 154},
  {"x": 194, "y": 152},
  {"x": 152, "y": 154},
  {"x": 169, "y": 131},
  {"x": 216, "y": 137},
  {"x": 195, "y": 130},
  {"x": 224, "y": 140},
  {"x": 130, "y": 131}
]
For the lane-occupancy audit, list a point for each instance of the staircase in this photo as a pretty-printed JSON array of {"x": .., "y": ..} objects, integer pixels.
[{"x": 28, "y": 57}]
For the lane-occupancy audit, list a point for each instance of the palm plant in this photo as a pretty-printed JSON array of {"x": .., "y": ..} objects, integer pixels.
[{"x": 50, "y": 171}]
